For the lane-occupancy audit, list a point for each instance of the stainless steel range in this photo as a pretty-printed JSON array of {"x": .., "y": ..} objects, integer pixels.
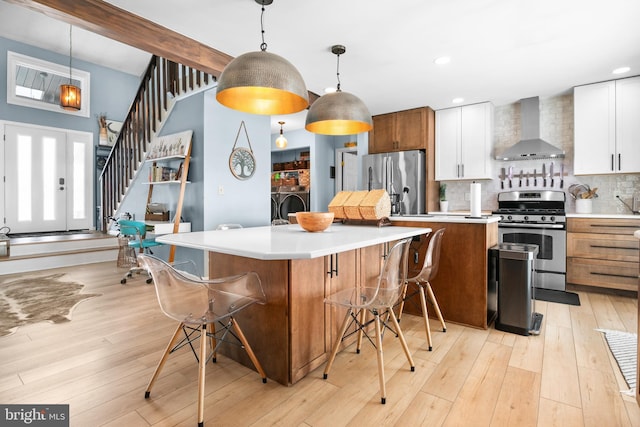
[{"x": 538, "y": 218}]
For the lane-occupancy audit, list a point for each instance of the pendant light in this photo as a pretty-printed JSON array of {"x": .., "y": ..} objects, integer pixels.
[
  {"x": 281, "y": 141},
  {"x": 70, "y": 96},
  {"x": 338, "y": 113},
  {"x": 262, "y": 82}
]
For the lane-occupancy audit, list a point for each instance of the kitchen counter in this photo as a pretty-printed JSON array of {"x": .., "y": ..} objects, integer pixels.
[
  {"x": 293, "y": 332},
  {"x": 286, "y": 242},
  {"x": 460, "y": 218},
  {"x": 592, "y": 215}
]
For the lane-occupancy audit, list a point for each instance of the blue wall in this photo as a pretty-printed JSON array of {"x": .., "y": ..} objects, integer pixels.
[
  {"x": 186, "y": 115},
  {"x": 111, "y": 92},
  {"x": 246, "y": 202}
]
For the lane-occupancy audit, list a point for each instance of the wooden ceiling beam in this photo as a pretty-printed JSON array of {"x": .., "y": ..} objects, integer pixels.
[{"x": 118, "y": 24}]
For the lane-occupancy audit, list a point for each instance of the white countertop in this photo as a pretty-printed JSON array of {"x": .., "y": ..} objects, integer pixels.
[
  {"x": 448, "y": 217},
  {"x": 290, "y": 241},
  {"x": 592, "y": 215}
]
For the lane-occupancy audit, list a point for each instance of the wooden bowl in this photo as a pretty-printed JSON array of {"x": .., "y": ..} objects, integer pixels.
[{"x": 314, "y": 221}]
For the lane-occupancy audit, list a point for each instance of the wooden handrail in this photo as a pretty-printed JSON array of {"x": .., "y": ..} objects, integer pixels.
[{"x": 162, "y": 81}]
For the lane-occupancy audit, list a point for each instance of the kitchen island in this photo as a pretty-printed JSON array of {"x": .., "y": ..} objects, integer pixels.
[
  {"x": 293, "y": 333},
  {"x": 461, "y": 285}
]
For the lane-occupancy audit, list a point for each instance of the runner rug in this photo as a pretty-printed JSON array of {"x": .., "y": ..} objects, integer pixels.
[{"x": 624, "y": 347}]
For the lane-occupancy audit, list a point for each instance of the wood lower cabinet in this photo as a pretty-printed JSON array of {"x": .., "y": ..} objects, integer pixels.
[
  {"x": 294, "y": 332},
  {"x": 603, "y": 252},
  {"x": 461, "y": 285}
]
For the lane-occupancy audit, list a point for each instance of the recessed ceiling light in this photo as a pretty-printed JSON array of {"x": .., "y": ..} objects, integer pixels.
[
  {"x": 442, "y": 60},
  {"x": 621, "y": 70},
  {"x": 457, "y": 100},
  {"x": 329, "y": 89}
]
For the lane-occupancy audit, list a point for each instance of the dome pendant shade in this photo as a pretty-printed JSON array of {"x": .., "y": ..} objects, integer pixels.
[
  {"x": 262, "y": 83},
  {"x": 338, "y": 113},
  {"x": 70, "y": 97}
]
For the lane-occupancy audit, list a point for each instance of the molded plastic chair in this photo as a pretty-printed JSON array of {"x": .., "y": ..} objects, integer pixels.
[
  {"x": 200, "y": 304},
  {"x": 379, "y": 301},
  {"x": 137, "y": 233},
  {"x": 428, "y": 273}
]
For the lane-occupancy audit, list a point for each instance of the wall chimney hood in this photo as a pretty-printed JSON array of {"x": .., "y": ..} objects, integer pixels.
[{"x": 531, "y": 146}]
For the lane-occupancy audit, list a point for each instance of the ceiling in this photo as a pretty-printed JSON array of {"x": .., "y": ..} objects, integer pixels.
[{"x": 500, "y": 50}]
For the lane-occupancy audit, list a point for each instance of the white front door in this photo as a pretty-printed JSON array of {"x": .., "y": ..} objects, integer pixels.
[{"x": 48, "y": 179}]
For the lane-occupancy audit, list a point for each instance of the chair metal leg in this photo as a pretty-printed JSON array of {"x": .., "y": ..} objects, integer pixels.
[
  {"x": 363, "y": 318},
  {"x": 212, "y": 338},
  {"x": 425, "y": 316},
  {"x": 436, "y": 306},
  {"x": 405, "y": 347},
  {"x": 383, "y": 389},
  {"x": 249, "y": 350},
  {"x": 163, "y": 359},
  {"x": 336, "y": 345},
  {"x": 201, "y": 374}
]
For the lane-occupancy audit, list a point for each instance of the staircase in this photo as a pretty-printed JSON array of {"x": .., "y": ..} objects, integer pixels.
[
  {"x": 65, "y": 250},
  {"x": 163, "y": 83}
]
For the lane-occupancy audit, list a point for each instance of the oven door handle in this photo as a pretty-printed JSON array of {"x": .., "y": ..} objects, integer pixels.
[{"x": 521, "y": 225}]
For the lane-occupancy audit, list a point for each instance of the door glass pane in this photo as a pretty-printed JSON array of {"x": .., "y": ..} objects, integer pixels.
[
  {"x": 24, "y": 180},
  {"x": 49, "y": 178},
  {"x": 79, "y": 182}
]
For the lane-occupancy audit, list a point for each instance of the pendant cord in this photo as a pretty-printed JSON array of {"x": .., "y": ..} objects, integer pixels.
[
  {"x": 70, "y": 41},
  {"x": 263, "y": 45},
  {"x": 338, "y": 72}
]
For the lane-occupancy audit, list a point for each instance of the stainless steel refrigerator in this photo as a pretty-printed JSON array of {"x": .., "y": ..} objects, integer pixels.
[{"x": 402, "y": 174}]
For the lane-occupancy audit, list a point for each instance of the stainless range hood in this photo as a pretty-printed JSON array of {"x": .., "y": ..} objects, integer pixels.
[{"x": 531, "y": 146}]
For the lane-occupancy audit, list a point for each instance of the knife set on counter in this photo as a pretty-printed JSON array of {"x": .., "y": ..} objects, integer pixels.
[{"x": 527, "y": 179}]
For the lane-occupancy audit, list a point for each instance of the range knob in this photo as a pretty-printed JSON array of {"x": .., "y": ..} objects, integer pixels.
[
  {"x": 543, "y": 218},
  {"x": 526, "y": 217},
  {"x": 552, "y": 219},
  {"x": 509, "y": 217}
]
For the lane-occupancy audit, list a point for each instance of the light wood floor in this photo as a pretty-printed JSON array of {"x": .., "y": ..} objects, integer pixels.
[{"x": 100, "y": 362}]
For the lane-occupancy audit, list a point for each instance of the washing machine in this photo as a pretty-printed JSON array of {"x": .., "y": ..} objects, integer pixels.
[
  {"x": 292, "y": 202},
  {"x": 275, "y": 206}
]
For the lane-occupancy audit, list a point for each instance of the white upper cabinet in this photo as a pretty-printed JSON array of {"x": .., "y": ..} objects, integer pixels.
[
  {"x": 464, "y": 140},
  {"x": 607, "y": 128}
]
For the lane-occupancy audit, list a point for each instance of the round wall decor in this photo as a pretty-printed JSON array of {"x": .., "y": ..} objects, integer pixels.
[{"x": 242, "y": 162}]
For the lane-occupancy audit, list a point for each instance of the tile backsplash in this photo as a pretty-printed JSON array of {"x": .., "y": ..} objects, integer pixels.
[{"x": 556, "y": 127}]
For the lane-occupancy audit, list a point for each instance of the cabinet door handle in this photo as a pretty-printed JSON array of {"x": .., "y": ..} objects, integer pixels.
[
  {"x": 331, "y": 265},
  {"x": 462, "y": 171},
  {"x": 458, "y": 171},
  {"x": 612, "y": 167},
  {"x": 619, "y": 161},
  {"x": 597, "y": 273},
  {"x": 613, "y": 247}
]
